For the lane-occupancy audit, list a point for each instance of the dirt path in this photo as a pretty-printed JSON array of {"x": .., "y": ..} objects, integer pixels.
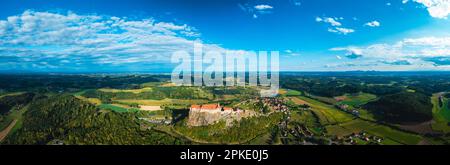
[{"x": 5, "y": 132}]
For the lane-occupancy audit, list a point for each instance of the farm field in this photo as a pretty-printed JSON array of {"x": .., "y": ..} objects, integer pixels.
[
  {"x": 162, "y": 102},
  {"x": 441, "y": 114},
  {"x": 117, "y": 108},
  {"x": 327, "y": 113},
  {"x": 356, "y": 99}
]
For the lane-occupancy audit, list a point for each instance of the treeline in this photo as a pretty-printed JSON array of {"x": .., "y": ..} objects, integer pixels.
[
  {"x": 404, "y": 107},
  {"x": 157, "y": 93},
  {"x": 65, "y": 119},
  {"x": 379, "y": 85},
  {"x": 329, "y": 87},
  {"x": 56, "y": 83},
  {"x": 234, "y": 91}
]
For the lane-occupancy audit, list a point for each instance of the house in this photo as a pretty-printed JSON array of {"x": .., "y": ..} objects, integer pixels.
[{"x": 227, "y": 110}]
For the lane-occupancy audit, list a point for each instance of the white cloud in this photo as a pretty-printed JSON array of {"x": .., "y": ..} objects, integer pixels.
[
  {"x": 291, "y": 53},
  {"x": 429, "y": 51},
  {"x": 263, "y": 7},
  {"x": 373, "y": 24},
  {"x": 256, "y": 10},
  {"x": 339, "y": 30},
  {"x": 318, "y": 19},
  {"x": 45, "y": 39},
  {"x": 329, "y": 20},
  {"x": 351, "y": 52},
  {"x": 335, "y": 25},
  {"x": 436, "y": 8}
]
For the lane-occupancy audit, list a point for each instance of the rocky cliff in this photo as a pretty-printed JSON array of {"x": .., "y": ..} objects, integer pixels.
[{"x": 202, "y": 118}]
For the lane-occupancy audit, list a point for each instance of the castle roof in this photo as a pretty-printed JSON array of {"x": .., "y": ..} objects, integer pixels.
[
  {"x": 206, "y": 106},
  {"x": 210, "y": 106},
  {"x": 195, "y": 106}
]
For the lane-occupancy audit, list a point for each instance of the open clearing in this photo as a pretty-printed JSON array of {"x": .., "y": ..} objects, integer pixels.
[
  {"x": 146, "y": 89},
  {"x": 439, "y": 114},
  {"x": 94, "y": 101},
  {"x": 298, "y": 101},
  {"x": 327, "y": 114},
  {"x": 162, "y": 102},
  {"x": 149, "y": 108},
  {"x": 356, "y": 99},
  {"x": 116, "y": 108}
]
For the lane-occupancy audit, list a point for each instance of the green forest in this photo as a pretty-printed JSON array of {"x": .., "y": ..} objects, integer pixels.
[{"x": 72, "y": 121}]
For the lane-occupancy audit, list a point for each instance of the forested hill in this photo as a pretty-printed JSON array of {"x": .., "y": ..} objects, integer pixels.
[
  {"x": 404, "y": 107},
  {"x": 69, "y": 120}
]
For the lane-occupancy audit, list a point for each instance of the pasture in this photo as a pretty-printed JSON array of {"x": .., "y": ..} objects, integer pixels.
[{"x": 356, "y": 100}]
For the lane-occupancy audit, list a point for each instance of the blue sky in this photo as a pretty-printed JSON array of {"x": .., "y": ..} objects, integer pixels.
[{"x": 137, "y": 35}]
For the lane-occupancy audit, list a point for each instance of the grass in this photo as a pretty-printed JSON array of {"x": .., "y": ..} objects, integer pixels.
[
  {"x": 228, "y": 97},
  {"x": 366, "y": 115},
  {"x": 444, "y": 110},
  {"x": 5, "y": 122},
  {"x": 94, "y": 101},
  {"x": 261, "y": 140},
  {"x": 305, "y": 117},
  {"x": 327, "y": 114},
  {"x": 357, "y": 100},
  {"x": 289, "y": 92},
  {"x": 297, "y": 100},
  {"x": 337, "y": 130},
  {"x": 146, "y": 89},
  {"x": 158, "y": 84},
  {"x": 116, "y": 108},
  {"x": 9, "y": 117},
  {"x": 14, "y": 115},
  {"x": 440, "y": 115},
  {"x": 386, "y": 132},
  {"x": 162, "y": 102},
  {"x": 327, "y": 100}
]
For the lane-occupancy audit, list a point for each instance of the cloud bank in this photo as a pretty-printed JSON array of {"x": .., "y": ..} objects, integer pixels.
[
  {"x": 436, "y": 8},
  {"x": 423, "y": 52},
  {"x": 45, "y": 40}
]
